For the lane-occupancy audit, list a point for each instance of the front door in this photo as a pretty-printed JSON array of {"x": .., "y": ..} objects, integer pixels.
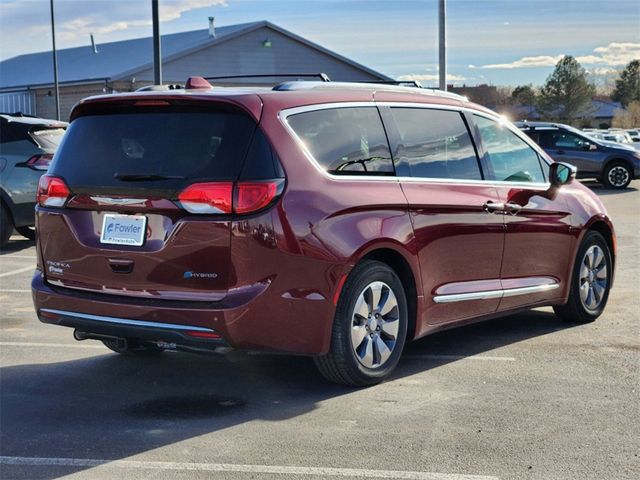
[{"x": 539, "y": 237}]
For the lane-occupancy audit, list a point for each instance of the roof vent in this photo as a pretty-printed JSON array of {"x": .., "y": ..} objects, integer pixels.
[
  {"x": 212, "y": 27},
  {"x": 196, "y": 82}
]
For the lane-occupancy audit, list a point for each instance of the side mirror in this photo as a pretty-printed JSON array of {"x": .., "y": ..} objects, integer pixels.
[{"x": 561, "y": 173}]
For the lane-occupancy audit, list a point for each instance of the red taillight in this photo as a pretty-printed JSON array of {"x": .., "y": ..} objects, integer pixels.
[
  {"x": 219, "y": 197},
  {"x": 252, "y": 196},
  {"x": 40, "y": 162},
  {"x": 52, "y": 191},
  {"x": 207, "y": 197}
]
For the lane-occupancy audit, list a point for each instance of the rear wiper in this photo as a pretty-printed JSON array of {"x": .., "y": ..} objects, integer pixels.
[{"x": 139, "y": 177}]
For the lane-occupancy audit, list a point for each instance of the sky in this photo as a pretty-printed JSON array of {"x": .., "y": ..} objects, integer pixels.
[{"x": 499, "y": 42}]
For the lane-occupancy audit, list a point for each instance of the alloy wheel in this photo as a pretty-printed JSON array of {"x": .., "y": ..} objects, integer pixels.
[
  {"x": 618, "y": 176},
  {"x": 593, "y": 278},
  {"x": 375, "y": 324}
]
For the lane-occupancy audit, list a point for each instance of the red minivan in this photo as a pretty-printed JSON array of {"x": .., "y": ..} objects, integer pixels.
[{"x": 328, "y": 219}]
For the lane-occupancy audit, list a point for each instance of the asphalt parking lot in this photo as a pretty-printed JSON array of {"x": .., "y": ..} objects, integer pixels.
[{"x": 525, "y": 396}]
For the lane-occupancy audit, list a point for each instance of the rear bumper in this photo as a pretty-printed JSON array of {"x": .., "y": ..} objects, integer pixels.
[
  {"x": 184, "y": 335},
  {"x": 250, "y": 325}
]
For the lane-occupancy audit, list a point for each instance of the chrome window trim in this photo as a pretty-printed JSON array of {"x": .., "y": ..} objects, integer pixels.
[
  {"x": 125, "y": 321},
  {"x": 283, "y": 116},
  {"x": 491, "y": 294}
]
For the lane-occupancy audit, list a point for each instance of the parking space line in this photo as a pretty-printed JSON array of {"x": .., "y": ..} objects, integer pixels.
[
  {"x": 9, "y": 256},
  {"x": 238, "y": 468},
  {"x": 460, "y": 357},
  {"x": 19, "y": 270},
  {"x": 52, "y": 345},
  {"x": 15, "y": 290}
]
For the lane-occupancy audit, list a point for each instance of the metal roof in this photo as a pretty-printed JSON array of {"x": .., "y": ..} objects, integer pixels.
[{"x": 116, "y": 60}]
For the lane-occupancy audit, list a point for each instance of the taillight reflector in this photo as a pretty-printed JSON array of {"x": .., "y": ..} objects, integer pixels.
[
  {"x": 52, "y": 191},
  {"x": 201, "y": 334},
  {"x": 207, "y": 197},
  {"x": 40, "y": 162},
  {"x": 252, "y": 196}
]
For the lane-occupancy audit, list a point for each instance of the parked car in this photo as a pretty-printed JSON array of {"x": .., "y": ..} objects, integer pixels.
[
  {"x": 634, "y": 134},
  {"x": 326, "y": 219},
  {"x": 612, "y": 164},
  {"x": 27, "y": 145}
]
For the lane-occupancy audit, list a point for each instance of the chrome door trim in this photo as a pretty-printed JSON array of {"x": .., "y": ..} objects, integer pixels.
[
  {"x": 125, "y": 321},
  {"x": 491, "y": 294}
]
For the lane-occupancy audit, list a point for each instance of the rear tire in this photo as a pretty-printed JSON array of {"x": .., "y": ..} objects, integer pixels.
[
  {"x": 6, "y": 226},
  {"x": 27, "y": 232},
  {"x": 132, "y": 347},
  {"x": 369, "y": 328},
  {"x": 617, "y": 175},
  {"x": 590, "y": 281}
]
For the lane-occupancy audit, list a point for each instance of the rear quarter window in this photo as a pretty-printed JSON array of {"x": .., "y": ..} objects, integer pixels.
[{"x": 345, "y": 141}]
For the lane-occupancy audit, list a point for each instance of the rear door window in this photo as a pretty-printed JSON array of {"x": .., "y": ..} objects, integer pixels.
[
  {"x": 160, "y": 150},
  {"x": 511, "y": 158},
  {"x": 345, "y": 141},
  {"x": 434, "y": 144}
]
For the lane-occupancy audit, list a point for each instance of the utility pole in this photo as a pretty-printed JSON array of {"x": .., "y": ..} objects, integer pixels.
[
  {"x": 157, "y": 55},
  {"x": 442, "y": 43},
  {"x": 55, "y": 63}
]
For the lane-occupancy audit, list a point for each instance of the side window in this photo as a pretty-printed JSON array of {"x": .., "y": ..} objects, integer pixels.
[
  {"x": 345, "y": 141},
  {"x": 562, "y": 139},
  {"x": 434, "y": 144},
  {"x": 511, "y": 158}
]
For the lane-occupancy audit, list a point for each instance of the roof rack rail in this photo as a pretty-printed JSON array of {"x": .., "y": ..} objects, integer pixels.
[
  {"x": 399, "y": 83},
  {"x": 293, "y": 86},
  {"x": 322, "y": 76}
]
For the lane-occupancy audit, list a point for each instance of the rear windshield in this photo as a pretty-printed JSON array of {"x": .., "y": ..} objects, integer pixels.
[
  {"x": 158, "y": 151},
  {"x": 47, "y": 137}
]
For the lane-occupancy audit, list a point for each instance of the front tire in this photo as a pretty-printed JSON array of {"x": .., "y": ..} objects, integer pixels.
[
  {"x": 617, "y": 175},
  {"x": 369, "y": 328},
  {"x": 6, "y": 226},
  {"x": 590, "y": 281}
]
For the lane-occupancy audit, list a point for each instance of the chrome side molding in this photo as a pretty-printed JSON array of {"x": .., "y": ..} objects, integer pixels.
[{"x": 490, "y": 294}]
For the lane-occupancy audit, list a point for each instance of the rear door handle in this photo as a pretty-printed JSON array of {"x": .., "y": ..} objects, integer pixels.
[{"x": 491, "y": 206}]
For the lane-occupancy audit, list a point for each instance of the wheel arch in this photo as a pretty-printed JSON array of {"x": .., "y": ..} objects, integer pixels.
[{"x": 399, "y": 263}]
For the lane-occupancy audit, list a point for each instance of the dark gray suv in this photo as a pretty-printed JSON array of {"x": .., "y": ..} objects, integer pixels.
[
  {"x": 27, "y": 145},
  {"x": 613, "y": 164}
]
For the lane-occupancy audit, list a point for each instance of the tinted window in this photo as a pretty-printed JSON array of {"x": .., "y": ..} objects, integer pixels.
[
  {"x": 511, "y": 158},
  {"x": 560, "y": 139},
  {"x": 345, "y": 141},
  {"x": 434, "y": 144},
  {"x": 187, "y": 146}
]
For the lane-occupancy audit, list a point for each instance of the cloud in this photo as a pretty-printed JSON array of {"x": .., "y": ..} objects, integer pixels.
[
  {"x": 614, "y": 54},
  {"x": 76, "y": 19},
  {"x": 525, "y": 62},
  {"x": 430, "y": 77}
]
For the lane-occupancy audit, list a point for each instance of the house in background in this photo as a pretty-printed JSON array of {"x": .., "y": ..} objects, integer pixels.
[{"x": 26, "y": 81}]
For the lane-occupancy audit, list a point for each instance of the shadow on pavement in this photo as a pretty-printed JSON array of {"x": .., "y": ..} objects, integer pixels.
[
  {"x": 17, "y": 243},
  {"x": 112, "y": 407}
]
